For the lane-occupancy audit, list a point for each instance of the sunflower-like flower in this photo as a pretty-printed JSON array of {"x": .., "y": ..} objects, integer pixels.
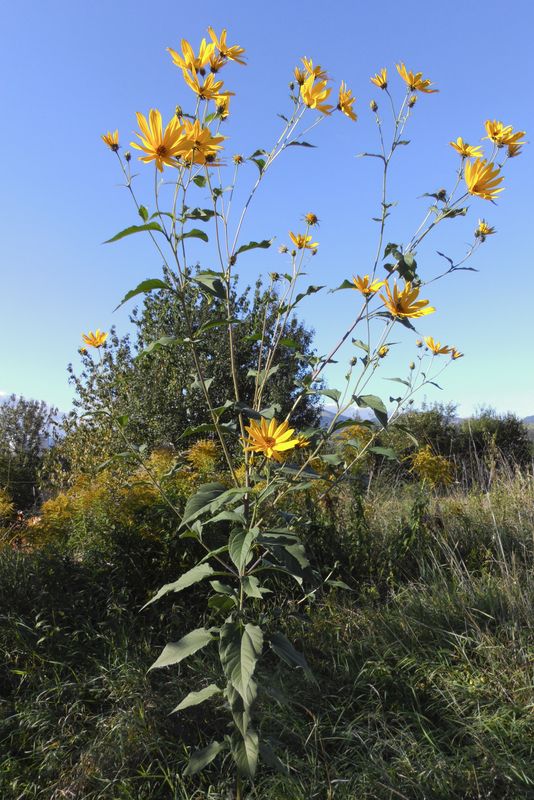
[
  {"x": 222, "y": 103},
  {"x": 455, "y": 354},
  {"x": 317, "y": 72},
  {"x": 112, "y": 140},
  {"x": 502, "y": 135},
  {"x": 188, "y": 60},
  {"x": 209, "y": 89},
  {"x": 415, "y": 81},
  {"x": 383, "y": 351},
  {"x": 232, "y": 53},
  {"x": 300, "y": 75},
  {"x": 365, "y": 286},
  {"x": 314, "y": 94},
  {"x": 482, "y": 179},
  {"x": 311, "y": 219},
  {"x": 303, "y": 241},
  {"x": 404, "y": 303},
  {"x": 484, "y": 230},
  {"x": 197, "y": 145},
  {"x": 514, "y": 149},
  {"x": 380, "y": 79},
  {"x": 466, "y": 150},
  {"x": 216, "y": 62},
  {"x": 345, "y": 101},
  {"x": 95, "y": 339},
  {"x": 270, "y": 438},
  {"x": 437, "y": 348},
  {"x": 161, "y": 146}
]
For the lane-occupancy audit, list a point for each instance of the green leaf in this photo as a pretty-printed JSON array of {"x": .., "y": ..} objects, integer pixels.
[
  {"x": 240, "y": 547},
  {"x": 360, "y": 344},
  {"x": 260, "y": 163},
  {"x": 399, "y": 380},
  {"x": 195, "y": 698},
  {"x": 331, "y": 458},
  {"x": 345, "y": 285},
  {"x": 217, "y": 323},
  {"x": 272, "y": 760},
  {"x": 199, "y": 180},
  {"x": 294, "y": 143},
  {"x": 201, "y": 758},
  {"x": 150, "y": 226},
  {"x": 145, "y": 286},
  {"x": 239, "y": 652},
  {"x": 195, "y": 233},
  {"x": 190, "y": 577},
  {"x": 299, "y": 297},
  {"x": 285, "y": 650},
  {"x": 387, "y": 452},
  {"x": 211, "y": 282},
  {"x": 203, "y": 214},
  {"x": 252, "y": 588},
  {"x": 198, "y": 503},
  {"x": 174, "y": 652},
  {"x": 333, "y": 394},
  {"x": 143, "y": 213},
  {"x": 245, "y": 750},
  {"x": 376, "y": 404},
  {"x": 252, "y": 245},
  {"x": 164, "y": 341}
]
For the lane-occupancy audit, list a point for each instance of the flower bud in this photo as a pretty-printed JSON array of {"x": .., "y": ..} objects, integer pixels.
[
  {"x": 412, "y": 365},
  {"x": 178, "y": 111},
  {"x": 237, "y": 159},
  {"x": 128, "y": 156},
  {"x": 282, "y": 249},
  {"x": 412, "y": 101},
  {"x": 373, "y": 106},
  {"x": 419, "y": 343}
]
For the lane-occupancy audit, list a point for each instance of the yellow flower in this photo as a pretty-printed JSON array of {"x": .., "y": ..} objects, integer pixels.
[
  {"x": 405, "y": 303},
  {"x": 483, "y": 229},
  {"x": 188, "y": 60},
  {"x": 415, "y": 81},
  {"x": 346, "y": 101},
  {"x": 270, "y": 438},
  {"x": 197, "y": 145},
  {"x": 112, "y": 140},
  {"x": 237, "y": 159},
  {"x": 302, "y": 441},
  {"x": 502, "y": 135},
  {"x": 216, "y": 62},
  {"x": 222, "y": 104},
  {"x": 380, "y": 79},
  {"x": 210, "y": 89},
  {"x": 300, "y": 75},
  {"x": 302, "y": 242},
  {"x": 436, "y": 347},
  {"x": 514, "y": 149},
  {"x": 482, "y": 179},
  {"x": 311, "y": 219},
  {"x": 95, "y": 339},
  {"x": 456, "y": 353},
  {"x": 466, "y": 150},
  {"x": 160, "y": 146},
  {"x": 315, "y": 94},
  {"x": 365, "y": 286},
  {"x": 231, "y": 53},
  {"x": 383, "y": 351},
  {"x": 316, "y": 72}
]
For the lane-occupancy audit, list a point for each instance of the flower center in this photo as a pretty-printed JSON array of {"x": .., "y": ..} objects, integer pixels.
[
  {"x": 162, "y": 151},
  {"x": 269, "y": 441}
]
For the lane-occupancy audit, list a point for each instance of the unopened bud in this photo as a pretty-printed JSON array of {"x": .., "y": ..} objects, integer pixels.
[
  {"x": 178, "y": 111},
  {"x": 419, "y": 343},
  {"x": 128, "y": 155},
  {"x": 291, "y": 86},
  {"x": 412, "y": 101},
  {"x": 274, "y": 276},
  {"x": 412, "y": 365},
  {"x": 373, "y": 106},
  {"x": 282, "y": 249}
]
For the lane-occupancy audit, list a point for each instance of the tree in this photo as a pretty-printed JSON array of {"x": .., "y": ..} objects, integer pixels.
[
  {"x": 26, "y": 429},
  {"x": 155, "y": 388}
]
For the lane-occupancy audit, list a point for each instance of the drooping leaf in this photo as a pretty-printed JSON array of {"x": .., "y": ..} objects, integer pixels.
[
  {"x": 245, "y": 750},
  {"x": 190, "y": 577},
  {"x": 211, "y": 283},
  {"x": 199, "y": 180},
  {"x": 240, "y": 547},
  {"x": 201, "y": 758},
  {"x": 195, "y": 233},
  {"x": 387, "y": 452},
  {"x": 252, "y": 588},
  {"x": 174, "y": 652},
  {"x": 295, "y": 143},
  {"x": 287, "y": 652},
  {"x": 142, "y": 288},
  {"x": 143, "y": 213},
  {"x": 203, "y": 497},
  {"x": 253, "y": 245},
  {"x": 195, "y": 698},
  {"x": 376, "y": 404},
  {"x": 239, "y": 651},
  {"x": 149, "y": 226}
]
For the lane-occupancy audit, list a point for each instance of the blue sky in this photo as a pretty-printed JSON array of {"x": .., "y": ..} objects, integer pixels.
[{"x": 76, "y": 69}]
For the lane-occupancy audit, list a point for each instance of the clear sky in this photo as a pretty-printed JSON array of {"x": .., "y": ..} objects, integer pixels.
[{"x": 74, "y": 69}]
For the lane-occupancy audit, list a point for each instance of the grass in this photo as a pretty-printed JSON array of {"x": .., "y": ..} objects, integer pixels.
[{"x": 424, "y": 672}]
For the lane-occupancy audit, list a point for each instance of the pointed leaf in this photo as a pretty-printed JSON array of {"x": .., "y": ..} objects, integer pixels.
[
  {"x": 245, "y": 750},
  {"x": 195, "y": 233},
  {"x": 201, "y": 758},
  {"x": 202, "y": 498},
  {"x": 252, "y": 245},
  {"x": 150, "y": 226},
  {"x": 195, "y": 698},
  {"x": 239, "y": 652},
  {"x": 174, "y": 652},
  {"x": 190, "y": 577},
  {"x": 287, "y": 652},
  {"x": 145, "y": 286},
  {"x": 376, "y": 404}
]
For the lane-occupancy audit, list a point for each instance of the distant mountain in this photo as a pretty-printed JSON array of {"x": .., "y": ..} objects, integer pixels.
[{"x": 529, "y": 420}]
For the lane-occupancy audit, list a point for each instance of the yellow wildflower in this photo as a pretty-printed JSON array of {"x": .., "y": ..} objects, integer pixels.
[
  {"x": 233, "y": 53},
  {"x": 160, "y": 146},
  {"x": 514, "y": 149},
  {"x": 365, "y": 286},
  {"x": 346, "y": 101},
  {"x": 484, "y": 230},
  {"x": 237, "y": 159},
  {"x": 436, "y": 347},
  {"x": 456, "y": 353},
  {"x": 502, "y": 135},
  {"x": 216, "y": 62},
  {"x": 300, "y": 75},
  {"x": 314, "y": 94},
  {"x": 222, "y": 104},
  {"x": 112, "y": 140},
  {"x": 415, "y": 81},
  {"x": 482, "y": 179},
  {"x": 404, "y": 303},
  {"x": 466, "y": 150},
  {"x": 95, "y": 339},
  {"x": 302, "y": 242},
  {"x": 270, "y": 438},
  {"x": 210, "y": 89},
  {"x": 311, "y": 219},
  {"x": 383, "y": 351},
  {"x": 316, "y": 72},
  {"x": 380, "y": 79},
  {"x": 197, "y": 145},
  {"x": 188, "y": 60}
]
